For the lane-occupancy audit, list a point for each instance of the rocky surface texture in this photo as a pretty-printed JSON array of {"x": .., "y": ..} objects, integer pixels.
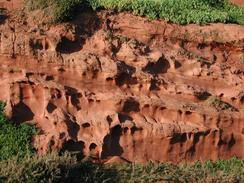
[{"x": 122, "y": 88}]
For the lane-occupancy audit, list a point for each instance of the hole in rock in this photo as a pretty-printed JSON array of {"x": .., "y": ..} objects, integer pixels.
[
  {"x": 154, "y": 85},
  {"x": 242, "y": 99},
  {"x": 180, "y": 112},
  {"x": 109, "y": 119},
  {"x": 201, "y": 46},
  {"x": 90, "y": 100},
  {"x": 73, "y": 93},
  {"x": 135, "y": 129},
  {"x": 75, "y": 147},
  {"x": 70, "y": 90},
  {"x": 36, "y": 44},
  {"x": 221, "y": 95},
  {"x": 131, "y": 105},
  {"x": 62, "y": 135},
  {"x": 111, "y": 143},
  {"x": 75, "y": 101},
  {"x": 61, "y": 69},
  {"x": 51, "y": 107},
  {"x": 3, "y": 16},
  {"x": 92, "y": 147},
  {"x": 86, "y": 125},
  {"x": 49, "y": 78},
  {"x": 146, "y": 106},
  {"x": 177, "y": 64},
  {"x": 124, "y": 117},
  {"x": 125, "y": 78},
  {"x": 124, "y": 75},
  {"x": 188, "y": 112},
  {"x": 72, "y": 126},
  {"x": 126, "y": 129},
  {"x": 159, "y": 67},
  {"x": 79, "y": 95},
  {"x": 203, "y": 95},
  {"x": 94, "y": 150},
  {"x": 69, "y": 46},
  {"x": 162, "y": 108},
  {"x": 231, "y": 142},
  {"x": 50, "y": 144},
  {"x": 233, "y": 98},
  {"x": 28, "y": 74},
  {"x": 55, "y": 93},
  {"x": 178, "y": 138},
  {"x": 21, "y": 113},
  {"x": 109, "y": 79}
]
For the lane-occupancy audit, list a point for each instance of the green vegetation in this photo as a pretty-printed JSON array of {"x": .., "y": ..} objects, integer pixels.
[
  {"x": 51, "y": 168},
  {"x": 176, "y": 11},
  {"x": 15, "y": 140},
  {"x": 218, "y": 104},
  {"x": 55, "y": 168},
  {"x": 57, "y": 10}
]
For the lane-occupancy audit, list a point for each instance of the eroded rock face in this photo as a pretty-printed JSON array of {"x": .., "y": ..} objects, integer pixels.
[
  {"x": 238, "y": 2},
  {"x": 120, "y": 87}
]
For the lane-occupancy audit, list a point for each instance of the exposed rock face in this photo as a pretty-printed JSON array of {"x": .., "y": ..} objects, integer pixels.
[
  {"x": 239, "y": 2},
  {"x": 121, "y": 87},
  {"x": 11, "y": 4}
]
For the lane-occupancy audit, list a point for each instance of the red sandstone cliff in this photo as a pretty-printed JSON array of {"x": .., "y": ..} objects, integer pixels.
[{"x": 119, "y": 85}]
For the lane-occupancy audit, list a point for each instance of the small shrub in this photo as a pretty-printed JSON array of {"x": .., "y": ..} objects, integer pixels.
[
  {"x": 15, "y": 140},
  {"x": 57, "y": 10},
  {"x": 218, "y": 104},
  {"x": 65, "y": 9}
]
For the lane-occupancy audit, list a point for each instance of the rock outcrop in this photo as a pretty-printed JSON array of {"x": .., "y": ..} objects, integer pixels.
[{"x": 119, "y": 86}]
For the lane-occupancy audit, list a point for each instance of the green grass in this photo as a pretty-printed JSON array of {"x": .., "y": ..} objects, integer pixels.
[
  {"x": 15, "y": 140},
  {"x": 176, "y": 11},
  {"x": 65, "y": 168}
]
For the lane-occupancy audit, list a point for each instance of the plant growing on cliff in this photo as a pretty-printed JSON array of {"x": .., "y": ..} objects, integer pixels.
[
  {"x": 15, "y": 140},
  {"x": 176, "y": 11},
  {"x": 58, "y": 10}
]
